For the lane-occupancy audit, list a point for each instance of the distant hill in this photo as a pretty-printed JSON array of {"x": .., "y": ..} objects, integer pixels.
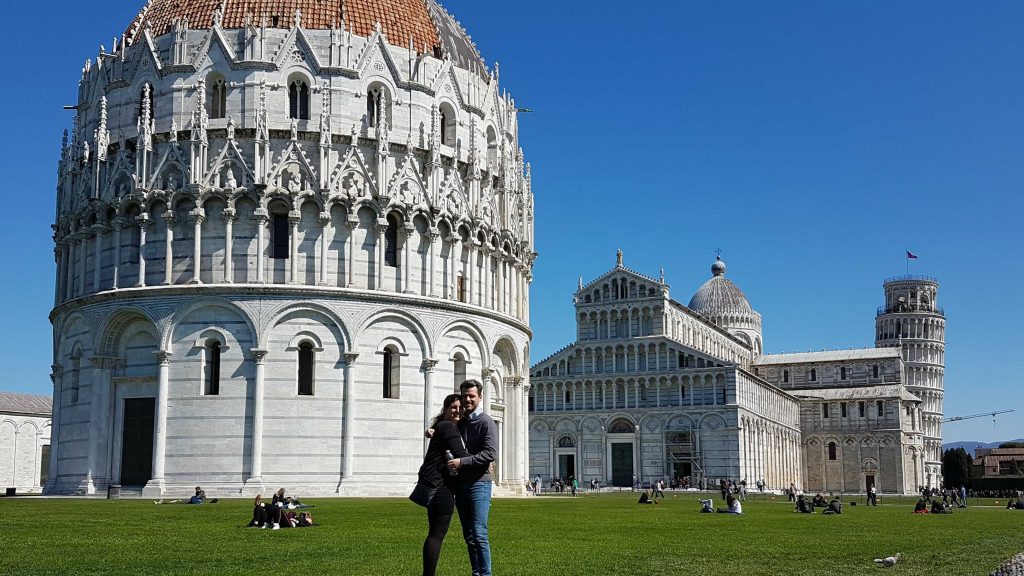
[{"x": 970, "y": 445}]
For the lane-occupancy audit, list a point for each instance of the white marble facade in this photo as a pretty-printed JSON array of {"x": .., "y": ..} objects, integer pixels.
[
  {"x": 24, "y": 441},
  {"x": 253, "y": 220},
  {"x": 655, "y": 389}
]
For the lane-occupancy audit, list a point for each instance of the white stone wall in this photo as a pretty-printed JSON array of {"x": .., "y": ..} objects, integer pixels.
[
  {"x": 344, "y": 439},
  {"x": 22, "y": 438}
]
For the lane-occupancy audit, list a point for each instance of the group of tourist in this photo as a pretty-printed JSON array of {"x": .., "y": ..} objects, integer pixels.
[
  {"x": 1015, "y": 504},
  {"x": 834, "y": 506},
  {"x": 280, "y": 513},
  {"x": 456, "y": 474},
  {"x": 732, "y": 505},
  {"x": 937, "y": 507}
]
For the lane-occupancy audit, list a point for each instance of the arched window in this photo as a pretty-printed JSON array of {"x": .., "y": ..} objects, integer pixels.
[
  {"x": 682, "y": 393},
  {"x": 785, "y": 375},
  {"x": 566, "y": 442},
  {"x": 814, "y": 374},
  {"x": 621, "y": 426},
  {"x": 211, "y": 368},
  {"x": 377, "y": 105},
  {"x": 568, "y": 397},
  {"x": 492, "y": 148},
  {"x": 391, "y": 369},
  {"x": 831, "y": 450},
  {"x": 842, "y": 372},
  {"x": 391, "y": 242},
  {"x": 306, "y": 369},
  {"x": 447, "y": 127},
  {"x": 218, "y": 95},
  {"x": 298, "y": 99},
  {"x": 874, "y": 371},
  {"x": 824, "y": 410},
  {"x": 459, "y": 371}
]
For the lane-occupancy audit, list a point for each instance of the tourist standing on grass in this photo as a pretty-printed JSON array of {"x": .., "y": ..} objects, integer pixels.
[
  {"x": 446, "y": 439},
  {"x": 963, "y": 496},
  {"x": 473, "y": 494},
  {"x": 872, "y": 495},
  {"x": 791, "y": 492}
]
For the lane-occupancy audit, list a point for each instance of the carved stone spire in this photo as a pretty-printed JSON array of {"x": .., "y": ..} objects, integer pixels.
[
  {"x": 325, "y": 116},
  {"x": 618, "y": 258},
  {"x": 382, "y": 124},
  {"x": 200, "y": 119},
  {"x": 146, "y": 120},
  {"x": 262, "y": 132},
  {"x": 102, "y": 134}
]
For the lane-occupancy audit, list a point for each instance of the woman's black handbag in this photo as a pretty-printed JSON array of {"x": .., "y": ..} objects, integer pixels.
[{"x": 422, "y": 494}]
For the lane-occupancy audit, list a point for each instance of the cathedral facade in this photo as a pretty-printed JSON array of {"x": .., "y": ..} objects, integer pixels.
[
  {"x": 282, "y": 237},
  {"x": 654, "y": 389}
]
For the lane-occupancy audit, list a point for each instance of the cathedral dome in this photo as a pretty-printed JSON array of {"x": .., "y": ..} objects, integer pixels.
[
  {"x": 719, "y": 295},
  {"x": 424, "y": 23}
]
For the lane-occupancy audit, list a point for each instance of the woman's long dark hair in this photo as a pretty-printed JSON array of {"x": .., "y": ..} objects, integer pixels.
[{"x": 444, "y": 409}]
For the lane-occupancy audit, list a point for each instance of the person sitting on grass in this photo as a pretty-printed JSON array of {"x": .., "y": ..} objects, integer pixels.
[
  {"x": 199, "y": 497},
  {"x": 921, "y": 507},
  {"x": 802, "y": 505},
  {"x": 645, "y": 499},
  {"x": 819, "y": 501},
  {"x": 1019, "y": 505},
  {"x": 259, "y": 513},
  {"x": 834, "y": 507},
  {"x": 733, "y": 506},
  {"x": 706, "y": 506},
  {"x": 305, "y": 520}
]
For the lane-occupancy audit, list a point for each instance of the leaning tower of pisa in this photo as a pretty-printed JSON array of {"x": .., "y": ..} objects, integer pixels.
[{"x": 912, "y": 319}]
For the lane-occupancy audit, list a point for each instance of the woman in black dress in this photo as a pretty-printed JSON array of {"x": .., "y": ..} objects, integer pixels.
[{"x": 434, "y": 472}]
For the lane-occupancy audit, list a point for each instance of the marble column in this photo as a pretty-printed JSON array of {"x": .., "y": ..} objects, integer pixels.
[
  {"x": 428, "y": 396},
  {"x": 256, "y": 457},
  {"x": 169, "y": 218},
  {"x": 409, "y": 229},
  {"x": 229, "y": 240},
  {"x": 348, "y": 428},
  {"x": 325, "y": 221},
  {"x": 69, "y": 284},
  {"x": 499, "y": 290},
  {"x": 99, "y": 419},
  {"x": 381, "y": 228},
  {"x": 197, "y": 216},
  {"x": 118, "y": 225},
  {"x": 293, "y": 239},
  {"x": 432, "y": 283},
  {"x": 97, "y": 261},
  {"x": 142, "y": 220},
  {"x": 261, "y": 238},
  {"x": 155, "y": 486},
  {"x": 352, "y": 222},
  {"x": 468, "y": 282},
  {"x": 83, "y": 258},
  {"x": 56, "y": 372}
]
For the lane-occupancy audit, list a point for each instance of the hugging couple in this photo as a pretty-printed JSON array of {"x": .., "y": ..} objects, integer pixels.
[{"x": 456, "y": 474}]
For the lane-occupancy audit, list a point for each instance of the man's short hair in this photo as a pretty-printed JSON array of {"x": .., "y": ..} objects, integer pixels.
[{"x": 467, "y": 384}]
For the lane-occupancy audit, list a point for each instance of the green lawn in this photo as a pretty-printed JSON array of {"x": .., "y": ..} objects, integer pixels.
[{"x": 587, "y": 536}]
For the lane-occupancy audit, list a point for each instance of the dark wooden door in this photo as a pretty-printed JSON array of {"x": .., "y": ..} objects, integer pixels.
[
  {"x": 137, "y": 441},
  {"x": 622, "y": 464}
]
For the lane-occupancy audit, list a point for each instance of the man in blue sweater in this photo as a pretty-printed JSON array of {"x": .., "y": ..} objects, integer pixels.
[{"x": 473, "y": 495}]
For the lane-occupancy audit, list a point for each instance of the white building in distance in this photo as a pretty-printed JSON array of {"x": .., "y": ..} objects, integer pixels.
[
  {"x": 282, "y": 237},
  {"x": 24, "y": 441},
  {"x": 654, "y": 389}
]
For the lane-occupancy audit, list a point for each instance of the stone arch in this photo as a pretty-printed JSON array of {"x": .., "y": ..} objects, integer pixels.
[
  {"x": 566, "y": 425},
  {"x": 411, "y": 321},
  {"x": 113, "y": 328},
  {"x": 190, "y": 306},
  {"x": 478, "y": 336},
  {"x": 505, "y": 353},
  {"x": 620, "y": 422},
  {"x": 652, "y": 424},
  {"x": 590, "y": 424},
  {"x": 539, "y": 426},
  {"x": 335, "y": 322}
]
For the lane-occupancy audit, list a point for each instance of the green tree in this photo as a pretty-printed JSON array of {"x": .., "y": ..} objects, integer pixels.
[
  {"x": 956, "y": 468},
  {"x": 1012, "y": 445}
]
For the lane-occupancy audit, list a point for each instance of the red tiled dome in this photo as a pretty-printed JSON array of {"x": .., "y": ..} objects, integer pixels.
[{"x": 429, "y": 25}]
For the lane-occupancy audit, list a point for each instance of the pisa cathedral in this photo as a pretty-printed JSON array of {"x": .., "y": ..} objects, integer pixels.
[
  {"x": 284, "y": 232},
  {"x": 652, "y": 388}
]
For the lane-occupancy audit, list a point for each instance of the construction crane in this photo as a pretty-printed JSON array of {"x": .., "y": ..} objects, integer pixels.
[{"x": 992, "y": 414}]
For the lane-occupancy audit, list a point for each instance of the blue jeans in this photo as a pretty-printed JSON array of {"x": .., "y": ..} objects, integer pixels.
[{"x": 474, "y": 504}]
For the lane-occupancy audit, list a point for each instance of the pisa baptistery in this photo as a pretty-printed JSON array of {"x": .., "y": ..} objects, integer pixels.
[{"x": 284, "y": 232}]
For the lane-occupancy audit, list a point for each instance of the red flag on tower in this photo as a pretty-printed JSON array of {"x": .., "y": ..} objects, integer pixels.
[{"x": 911, "y": 255}]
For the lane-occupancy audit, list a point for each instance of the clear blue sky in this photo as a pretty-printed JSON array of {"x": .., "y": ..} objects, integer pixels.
[{"x": 813, "y": 142}]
